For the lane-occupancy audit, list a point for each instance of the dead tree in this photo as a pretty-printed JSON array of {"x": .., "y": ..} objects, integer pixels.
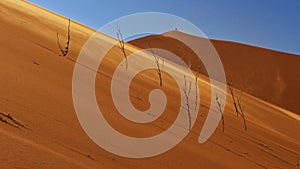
[
  {"x": 159, "y": 72},
  {"x": 230, "y": 86},
  {"x": 237, "y": 104},
  {"x": 122, "y": 44},
  {"x": 187, "y": 92},
  {"x": 196, "y": 87},
  {"x": 220, "y": 108},
  {"x": 65, "y": 51},
  {"x": 242, "y": 111}
]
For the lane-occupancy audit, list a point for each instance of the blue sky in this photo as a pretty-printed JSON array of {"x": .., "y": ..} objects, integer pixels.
[{"x": 273, "y": 24}]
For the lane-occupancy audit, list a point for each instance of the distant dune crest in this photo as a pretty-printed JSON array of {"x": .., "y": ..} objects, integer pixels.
[{"x": 267, "y": 74}]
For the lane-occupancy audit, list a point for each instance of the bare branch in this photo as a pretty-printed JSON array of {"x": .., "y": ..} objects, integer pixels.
[
  {"x": 242, "y": 112},
  {"x": 186, "y": 94},
  {"x": 121, "y": 43},
  {"x": 158, "y": 66},
  {"x": 237, "y": 104},
  {"x": 220, "y": 108},
  {"x": 69, "y": 38},
  {"x": 196, "y": 87},
  {"x": 233, "y": 98},
  {"x": 64, "y": 52}
]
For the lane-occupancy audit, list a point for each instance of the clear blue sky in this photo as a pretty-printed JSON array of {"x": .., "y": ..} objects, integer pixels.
[{"x": 273, "y": 24}]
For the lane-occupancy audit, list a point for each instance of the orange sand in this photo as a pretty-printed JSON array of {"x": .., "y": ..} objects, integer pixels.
[{"x": 36, "y": 90}]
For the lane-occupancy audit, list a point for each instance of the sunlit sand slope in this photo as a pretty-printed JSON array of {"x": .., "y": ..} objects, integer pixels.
[
  {"x": 39, "y": 127},
  {"x": 267, "y": 74}
]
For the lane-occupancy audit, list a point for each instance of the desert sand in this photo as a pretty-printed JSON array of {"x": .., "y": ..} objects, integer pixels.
[
  {"x": 39, "y": 127},
  {"x": 267, "y": 74}
]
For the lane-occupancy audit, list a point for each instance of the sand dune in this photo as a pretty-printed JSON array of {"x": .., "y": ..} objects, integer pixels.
[
  {"x": 267, "y": 74},
  {"x": 39, "y": 127}
]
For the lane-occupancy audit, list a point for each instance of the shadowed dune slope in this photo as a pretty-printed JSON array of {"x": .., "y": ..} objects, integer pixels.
[
  {"x": 39, "y": 127},
  {"x": 267, "y": 74}
]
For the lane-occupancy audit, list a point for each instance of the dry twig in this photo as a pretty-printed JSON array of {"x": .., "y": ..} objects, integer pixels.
[
  {"x": 187, "y": 92},
  {"x": 159, "y": 72},
  {"x": 220, "y": 108},
  {"x": 65, "y": 51},
  {"x": 122, "y": 44}
]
